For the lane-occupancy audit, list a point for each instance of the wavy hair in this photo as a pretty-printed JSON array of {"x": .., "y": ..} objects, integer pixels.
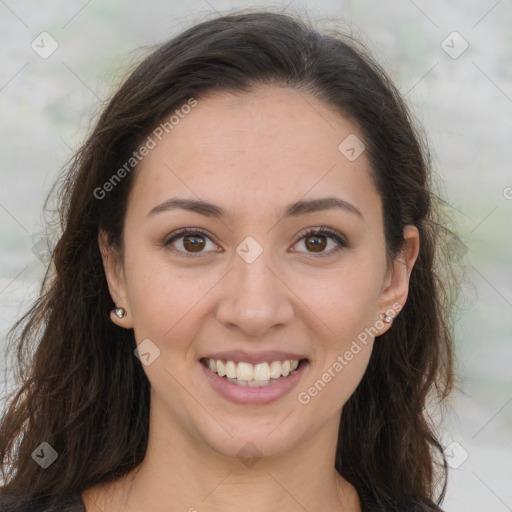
[{"x": 82, "y": 390}]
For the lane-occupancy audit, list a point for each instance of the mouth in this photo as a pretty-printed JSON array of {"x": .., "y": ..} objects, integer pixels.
[
  {"x": 258, "y": 383},
  {"x": 245, "y": 374}
]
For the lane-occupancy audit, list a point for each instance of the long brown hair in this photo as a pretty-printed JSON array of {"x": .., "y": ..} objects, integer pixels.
[{"x": 81, "y": 388}]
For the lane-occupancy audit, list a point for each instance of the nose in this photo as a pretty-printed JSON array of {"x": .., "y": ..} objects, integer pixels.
[{"x": 255, "y": 298}]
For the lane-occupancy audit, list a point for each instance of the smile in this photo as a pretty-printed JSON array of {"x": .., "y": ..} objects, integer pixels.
[
  {"x": 256, "y": 384},
  {"x": 253, "y": 375}
]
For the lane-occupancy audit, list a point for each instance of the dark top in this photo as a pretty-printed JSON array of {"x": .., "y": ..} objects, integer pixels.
[{"x": 74, "y": 503}]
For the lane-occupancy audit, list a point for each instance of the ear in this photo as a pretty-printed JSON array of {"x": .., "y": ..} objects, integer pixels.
[
  {"x": 114, "y": 273},
  {"x": 396, "y": 286}
]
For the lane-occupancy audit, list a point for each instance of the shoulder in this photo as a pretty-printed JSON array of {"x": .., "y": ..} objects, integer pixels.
[
  {"x": 372, "y": 503},
  {"x": 67, "y": 503}
]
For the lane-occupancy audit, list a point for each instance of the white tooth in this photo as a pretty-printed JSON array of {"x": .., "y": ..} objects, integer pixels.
[
  {"x": 230, "y": 369},
  {"x": 244, "y": 371},
  {"x": 258, "y": 384},
  {"x": 275, "y": 369},
  {"x": 238, "y": 382},
  {"x": 221, "y": 369},
  {"x": 261, "y": 371}
]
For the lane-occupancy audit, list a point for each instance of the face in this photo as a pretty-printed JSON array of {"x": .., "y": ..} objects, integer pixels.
[{"x": 252, "y": 275}]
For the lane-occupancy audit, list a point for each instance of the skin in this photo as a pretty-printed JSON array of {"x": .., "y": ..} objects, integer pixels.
[{"x": 252, "y": 154}]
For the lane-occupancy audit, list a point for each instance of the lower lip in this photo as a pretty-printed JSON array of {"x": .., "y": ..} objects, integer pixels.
[{"x": 256, "y": 395}]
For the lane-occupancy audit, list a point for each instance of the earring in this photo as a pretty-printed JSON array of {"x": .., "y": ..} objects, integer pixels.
[
  {"x": 120, "y": 312},
  {"x": 388, "y": 319}
]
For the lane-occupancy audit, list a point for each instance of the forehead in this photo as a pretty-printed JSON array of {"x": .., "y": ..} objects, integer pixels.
[{"x": 269, "y": 146}]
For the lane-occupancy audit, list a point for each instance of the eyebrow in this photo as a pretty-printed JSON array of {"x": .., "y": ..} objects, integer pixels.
[{"x": 292, "y": 210}]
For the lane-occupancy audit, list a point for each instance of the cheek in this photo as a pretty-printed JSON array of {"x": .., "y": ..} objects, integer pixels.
[
  {"x": 158, "y": 295},
  {"x": 343, "y": 354},
  {"x": 344, "y": 299},
  {"x": 346, "y": 303},
  {"x": 335, "y": 380}
]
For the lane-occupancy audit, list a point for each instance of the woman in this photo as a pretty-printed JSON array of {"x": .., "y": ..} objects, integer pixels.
[{"x": 246, "y": 309}]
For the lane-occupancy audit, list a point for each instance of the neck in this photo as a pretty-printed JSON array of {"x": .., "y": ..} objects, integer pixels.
[{"x": 183, "y": 472}]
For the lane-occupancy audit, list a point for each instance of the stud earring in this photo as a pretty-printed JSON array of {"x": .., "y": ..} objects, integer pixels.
[
  {"x": 388, "y": 319},
  {"x": 120, "y": 312}
]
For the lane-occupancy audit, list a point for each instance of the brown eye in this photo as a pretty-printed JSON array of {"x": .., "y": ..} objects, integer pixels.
[
  {"x": 193, "y": 243},
  {"x": 189, "y": 243},
  {"x": 316, "y": 243}
]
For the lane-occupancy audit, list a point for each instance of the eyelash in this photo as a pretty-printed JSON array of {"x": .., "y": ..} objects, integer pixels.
[{"x": 322, "y": 230}]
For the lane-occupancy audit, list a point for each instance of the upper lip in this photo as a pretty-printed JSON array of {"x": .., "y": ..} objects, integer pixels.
[{"x": 254, "y": 357}]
